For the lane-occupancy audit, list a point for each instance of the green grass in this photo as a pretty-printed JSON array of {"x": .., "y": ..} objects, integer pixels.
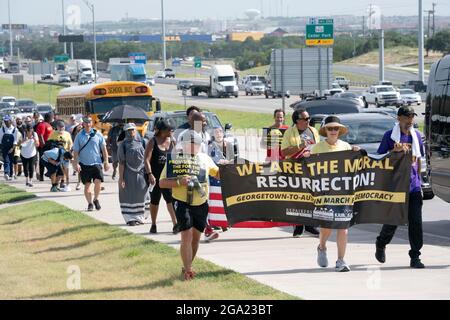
[
  {"x": 10, "y": 194},
  {"x": 352, "y": 77},
  {"x": 260, "y": 71},
  {"x": 239, "y": 119},
  {"x": 39, "y": 92},
  {"x": 42, "y": 243}
]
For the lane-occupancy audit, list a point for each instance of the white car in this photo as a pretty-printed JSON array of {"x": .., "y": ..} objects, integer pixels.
[
  {"x": 410, "y": 97},
  {"x": 254, "y": 87},
  {"x": 160, "y": 74},
  {"x": 10, "y": 100},
  {"x": 335, "y": 88},
  {"x": 151, "y": 81}
]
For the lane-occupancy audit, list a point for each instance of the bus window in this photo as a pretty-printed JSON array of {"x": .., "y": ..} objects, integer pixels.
[{"x": 104, "y": 105}]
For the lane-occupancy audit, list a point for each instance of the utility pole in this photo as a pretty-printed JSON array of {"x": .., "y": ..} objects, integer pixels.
[
  {"x": 421, "y": 59},
  {"x": 10, "y": 32},
  {"x": 429, "y": 15},
  {"x": 92, "y": 8},
  {"x": 381, "y": 55},
  {"x": 434, "y": 11},
  {"x": 64, "y": 25},
  {"x": 364, "y": 26},
  {"x": 163, "y": 35}
]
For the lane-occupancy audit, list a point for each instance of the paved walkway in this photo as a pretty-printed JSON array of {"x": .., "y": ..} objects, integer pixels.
[{"x": 276, "y": 259}]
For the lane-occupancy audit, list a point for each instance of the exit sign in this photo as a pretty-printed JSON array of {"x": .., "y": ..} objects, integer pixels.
[{"x": 320, "y": 32}]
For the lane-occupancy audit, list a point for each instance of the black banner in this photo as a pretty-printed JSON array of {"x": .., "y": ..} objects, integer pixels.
[
  {"x": 332, "y": 190},
  {"x": 183, "y": 165}
]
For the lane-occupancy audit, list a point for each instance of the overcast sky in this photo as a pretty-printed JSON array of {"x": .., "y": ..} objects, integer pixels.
[{"x": 50, "y": 12}]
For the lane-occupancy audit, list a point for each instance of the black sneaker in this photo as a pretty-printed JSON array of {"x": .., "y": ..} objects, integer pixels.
[
  {"x": 312, "y": 230},
  {"x": 97, "y": 205},
  {"x": 132, "y": 223},
  {"x": 153, "y": 229},
  {"x": 298, "y": 231},
  {"x": 417, "y": 264},
  {"x": 380, "y": 254},
  {"x": 90, "y": 207}
]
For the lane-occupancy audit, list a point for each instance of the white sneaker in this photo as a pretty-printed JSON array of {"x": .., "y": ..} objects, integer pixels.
[
  {"x": 212, "y": 236},
  {"x": 341, "y": 266},
  {"x": 78, "y": 187},
  {"x": 66, "y": 189}
]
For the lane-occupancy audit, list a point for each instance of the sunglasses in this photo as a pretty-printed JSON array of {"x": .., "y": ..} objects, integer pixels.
[
  {"x": 333, "y": 128},
  {"x": 305, "y": 119}
]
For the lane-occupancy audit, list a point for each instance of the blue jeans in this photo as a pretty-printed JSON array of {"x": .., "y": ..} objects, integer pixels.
[{"x": 8, "y": 159}]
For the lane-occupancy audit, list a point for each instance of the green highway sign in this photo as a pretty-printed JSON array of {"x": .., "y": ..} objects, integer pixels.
[
  {"x": 320, "y": 32},
  {"x": 197, "y": 62},
  {"x": 61, "y": 58}
]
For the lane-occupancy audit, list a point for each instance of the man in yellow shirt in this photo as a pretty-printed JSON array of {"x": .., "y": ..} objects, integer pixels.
[
  {"x": 63, "y": 136},
  {"x": 190, "y": 194},
  {"x": 296, "y": 144}
]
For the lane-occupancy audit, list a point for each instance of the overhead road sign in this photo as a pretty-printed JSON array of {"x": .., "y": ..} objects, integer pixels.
[
  {"x": 14, "y": 26},
  {"x": 71, "y": 38},
  {"x": 320, "y": 32}
]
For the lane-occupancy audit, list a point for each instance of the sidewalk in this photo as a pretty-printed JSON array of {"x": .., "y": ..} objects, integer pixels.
[{"x": 273, "y": 257}]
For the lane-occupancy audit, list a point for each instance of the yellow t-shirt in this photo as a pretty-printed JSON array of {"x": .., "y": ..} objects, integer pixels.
[
  {"x": 292, "y": 138},
  {"x": 65, "y": 137},
  {"x": 324, "y": 147},
  {"x": 180, "y": 193}
]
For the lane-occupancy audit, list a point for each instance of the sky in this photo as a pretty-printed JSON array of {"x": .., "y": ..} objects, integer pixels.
[{"x": 50, "y": 11}]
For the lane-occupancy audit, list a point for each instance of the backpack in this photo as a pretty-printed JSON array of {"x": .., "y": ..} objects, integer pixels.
[{"x": 7, "y": 140}]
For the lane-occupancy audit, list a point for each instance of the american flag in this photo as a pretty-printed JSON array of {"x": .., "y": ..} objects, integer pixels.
[{"x": 218, "y": 218}]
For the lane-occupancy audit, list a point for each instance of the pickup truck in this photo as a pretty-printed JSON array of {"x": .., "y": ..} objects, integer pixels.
[
  {"x": 381, "y": 95},
  {"x": 343, "y": 82}
]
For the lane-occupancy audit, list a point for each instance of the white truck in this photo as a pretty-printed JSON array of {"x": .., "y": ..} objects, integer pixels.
[
  {"x": 342, "y": 81},
  {"x": 80, "y": 68},
  {"x": 222, "y": 83},
  {"x": 381, "y": 95}
]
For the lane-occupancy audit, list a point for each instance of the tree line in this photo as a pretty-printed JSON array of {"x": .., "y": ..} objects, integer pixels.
[{"x": 245, "y": 54}]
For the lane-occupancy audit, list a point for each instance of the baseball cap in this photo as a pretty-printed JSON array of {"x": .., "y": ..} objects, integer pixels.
[
  {"x": 87, "y": 119},
  {"x": 406, "y": 111},
  {"x": 191, "y": 136},
  {"x": 129, "y": 126},
  {"x": 7, "y": 118},
  {"x": 60, "y": 124}
]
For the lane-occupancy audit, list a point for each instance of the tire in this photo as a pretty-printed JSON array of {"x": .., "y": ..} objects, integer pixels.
[
  {"x": 377, "y": 104},
  {"x": 428, "y": 195},
  {"x": 267, "y": 96},
  {"x": 366, "y": 105},
  {"x": 236, "y": 96},
  {"x": 246, "y": 93}
]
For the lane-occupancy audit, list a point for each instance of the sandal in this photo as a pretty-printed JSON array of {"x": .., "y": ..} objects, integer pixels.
[{"x": 188, "y": 275}]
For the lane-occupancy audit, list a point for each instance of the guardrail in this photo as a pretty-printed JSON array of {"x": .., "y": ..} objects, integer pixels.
[{"x": 52, "y": 83}]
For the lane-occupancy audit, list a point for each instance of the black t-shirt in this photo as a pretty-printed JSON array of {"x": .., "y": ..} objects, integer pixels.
[{"x": 185, "y": 126}]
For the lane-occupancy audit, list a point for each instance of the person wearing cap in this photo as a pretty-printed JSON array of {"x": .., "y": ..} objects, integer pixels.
[
  {"x": 9, "y": 136},
  {"x": 133, "y": 184},
  {"x": 404, "y": 138},
  {"x": 44, "y": 130},
  {"x": 332, "y": 129},
  {"x": 156, "y": 153},
  {"x": 89, "y": 147},
  {"x": 296, "y": 144},
  {"x": 190, "y": 194},
  {"x": 63, "y": 136}
]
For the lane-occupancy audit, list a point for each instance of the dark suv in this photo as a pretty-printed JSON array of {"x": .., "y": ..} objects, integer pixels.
[
  {"x": 178, "y": 118},
  {"x": 416, "y": 85},
  {"x": 437, "y": 127}
]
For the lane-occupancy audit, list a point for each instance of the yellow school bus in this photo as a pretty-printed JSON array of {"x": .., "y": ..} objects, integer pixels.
[{"x": 98, "y": 99}]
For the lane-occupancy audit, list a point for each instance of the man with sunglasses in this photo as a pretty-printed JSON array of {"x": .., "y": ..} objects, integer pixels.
[{"x": 297, "y": 143}]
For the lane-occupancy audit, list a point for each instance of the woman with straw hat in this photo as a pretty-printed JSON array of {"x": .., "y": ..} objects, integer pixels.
[{"x": 332, "y": 129}]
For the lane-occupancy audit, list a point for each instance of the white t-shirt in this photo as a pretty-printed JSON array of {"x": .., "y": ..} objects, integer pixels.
[
  {"x": 29, "y": 147},
  {"x": 205, "y": 137}
]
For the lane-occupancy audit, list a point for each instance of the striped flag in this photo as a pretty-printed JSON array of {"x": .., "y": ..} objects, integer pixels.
[{"x": 218, "y": 218}]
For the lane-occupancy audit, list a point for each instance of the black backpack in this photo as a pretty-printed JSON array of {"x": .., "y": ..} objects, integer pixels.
[{"x": 7, "y": 140}]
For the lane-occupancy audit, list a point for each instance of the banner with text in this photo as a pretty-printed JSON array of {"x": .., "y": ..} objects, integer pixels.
[{"x": 331, "y": 190}]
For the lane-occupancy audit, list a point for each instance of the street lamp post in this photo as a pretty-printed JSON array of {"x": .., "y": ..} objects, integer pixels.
[
  {"x": 10, "y": 31},
  {"x": 163, "y": 35},
  {"x": 92, "y": 8},
  {"x": 64, "y": 25}
]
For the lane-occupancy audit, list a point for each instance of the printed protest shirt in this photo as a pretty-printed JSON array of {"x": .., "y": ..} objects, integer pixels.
[{"x": 200, "y": 166}]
